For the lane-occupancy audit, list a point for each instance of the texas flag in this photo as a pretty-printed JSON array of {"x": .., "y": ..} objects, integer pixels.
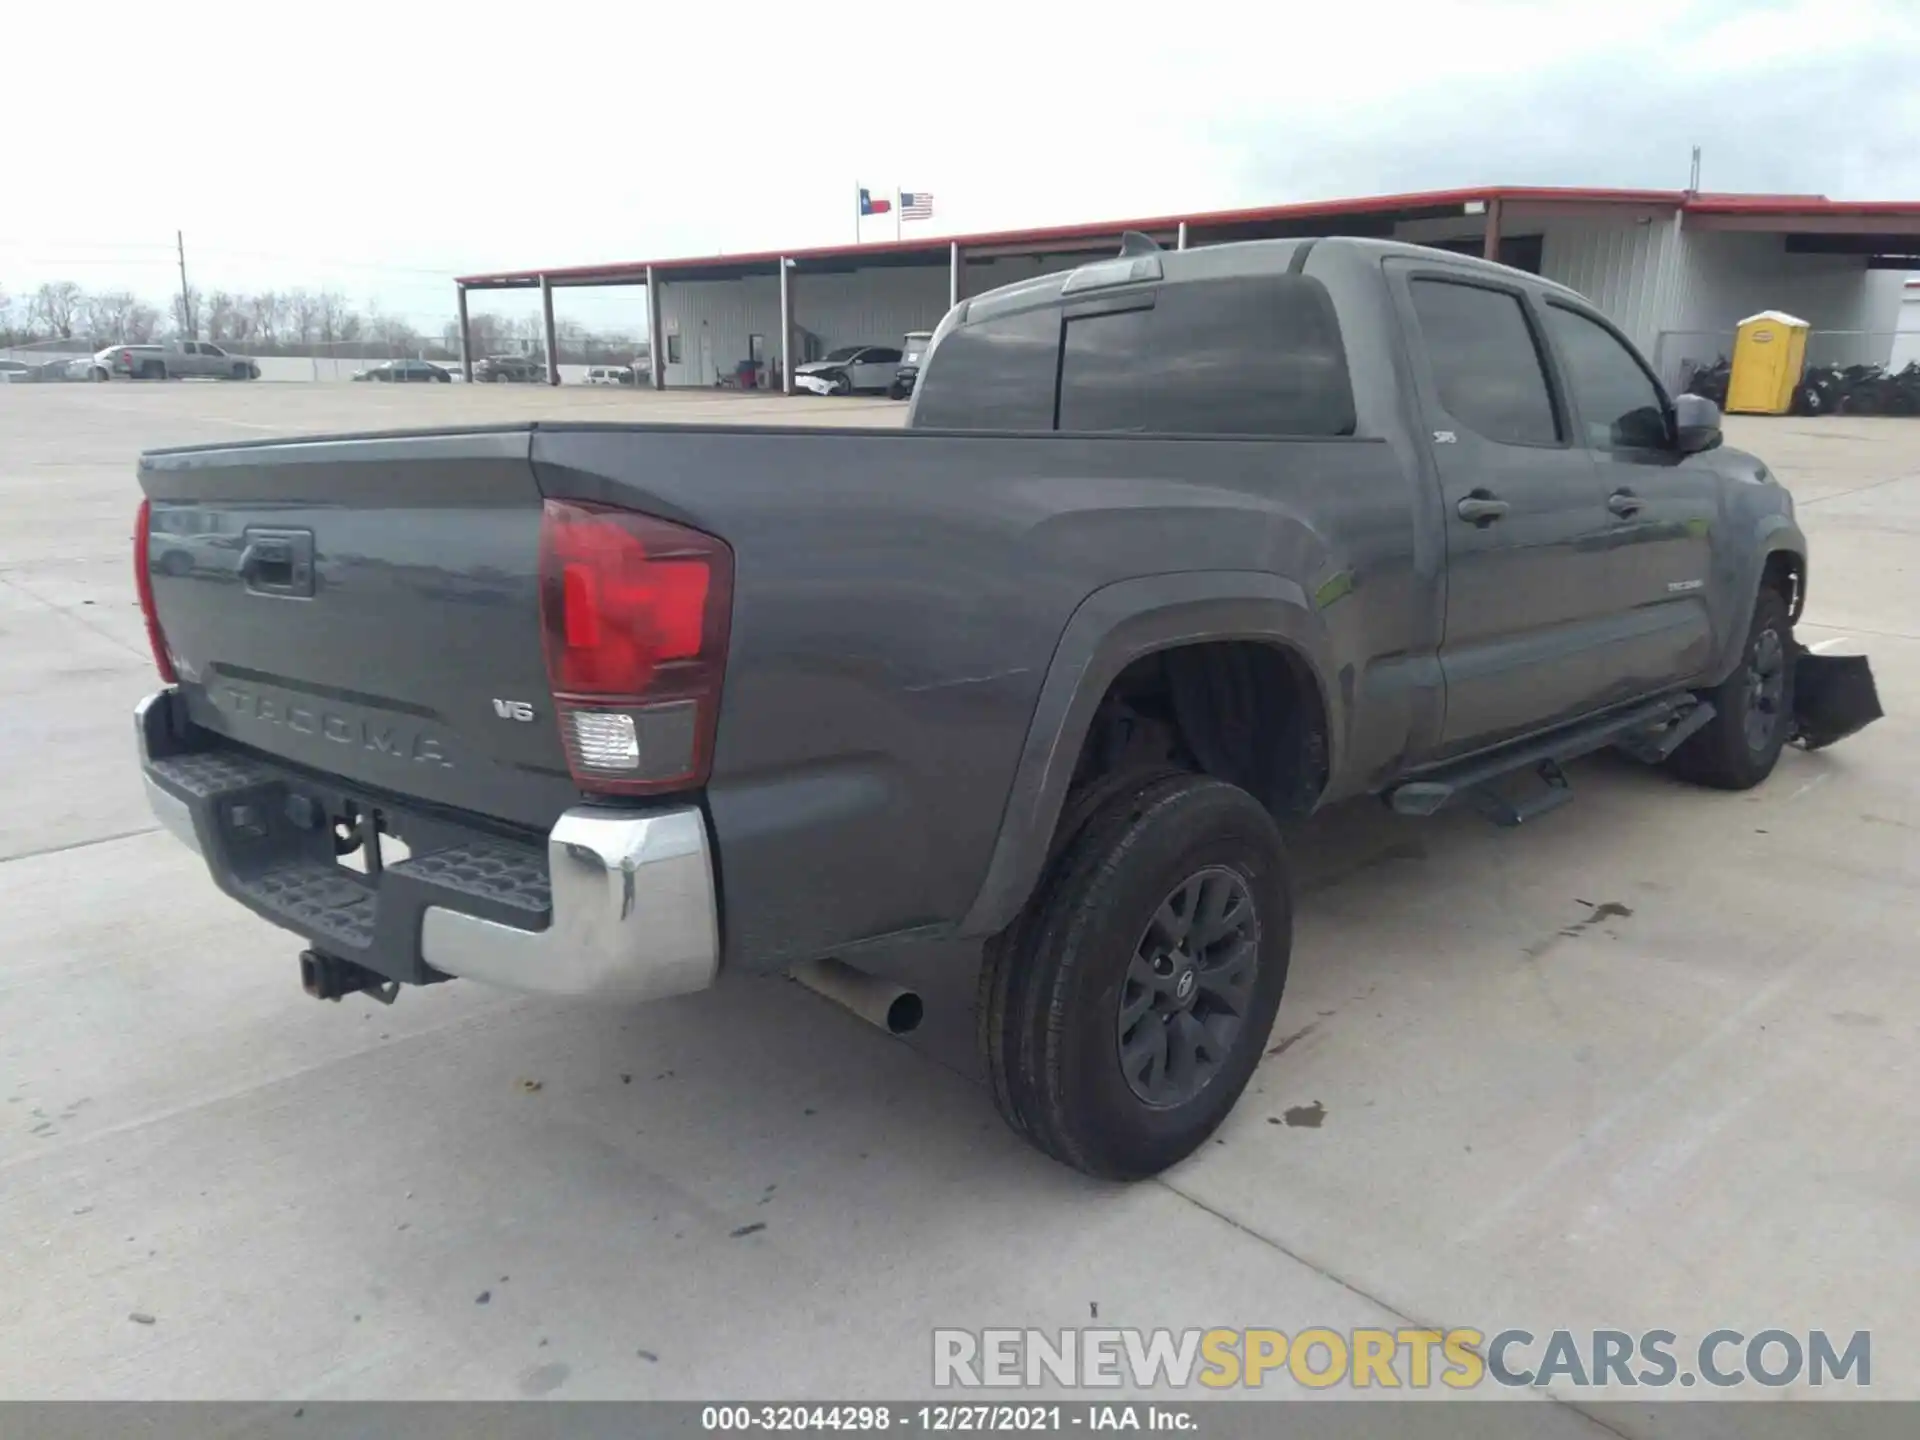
[{"x": 870, "y": 206}]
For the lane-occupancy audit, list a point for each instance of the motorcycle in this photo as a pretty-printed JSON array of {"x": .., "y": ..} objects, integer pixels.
[{"x": 1708, "y": 381}]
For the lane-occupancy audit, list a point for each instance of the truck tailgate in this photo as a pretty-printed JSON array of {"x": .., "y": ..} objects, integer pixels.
[{"x": 367, "y": 607}]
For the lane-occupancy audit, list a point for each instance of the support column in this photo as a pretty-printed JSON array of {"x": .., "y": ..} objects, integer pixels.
[
  {"x": 1490, "y": 247},
  {"x": 466, "y": 341},
  {"x": 546, "y": 318},
  {"x": 1181, "y": 243},
  {"x": 956, "y": 274},
  {"x": 656, "y": 340},
  {"x": 786, "y": 325}
]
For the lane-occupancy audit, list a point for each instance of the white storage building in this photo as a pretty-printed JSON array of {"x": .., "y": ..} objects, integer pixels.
[{"x": 1675, "y": 269}]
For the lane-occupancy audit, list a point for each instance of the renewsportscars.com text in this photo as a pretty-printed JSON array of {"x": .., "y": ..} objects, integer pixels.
[{"x": 1459, "y": 1359}]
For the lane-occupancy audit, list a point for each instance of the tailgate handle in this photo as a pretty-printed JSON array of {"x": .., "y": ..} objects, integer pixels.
[{"x": 278, "y": 562}]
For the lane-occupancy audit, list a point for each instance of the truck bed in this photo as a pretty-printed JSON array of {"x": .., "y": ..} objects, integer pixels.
[{"x": 898, "y": 599}]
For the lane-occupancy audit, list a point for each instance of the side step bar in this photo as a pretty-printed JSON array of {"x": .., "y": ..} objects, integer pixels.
[{"x": 1649, "y": 732}]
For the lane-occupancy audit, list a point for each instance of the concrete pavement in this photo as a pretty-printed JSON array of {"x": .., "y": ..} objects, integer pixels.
[{"x": 1648, "y": 1065}]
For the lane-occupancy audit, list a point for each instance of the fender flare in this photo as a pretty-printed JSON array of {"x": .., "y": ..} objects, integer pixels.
[
  {"x": 1772, "y": 535},
  {"x": 1109, "y": 630}
]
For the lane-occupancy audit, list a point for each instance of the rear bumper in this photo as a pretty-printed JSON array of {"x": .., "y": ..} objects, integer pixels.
[{"x": 617, "y": 904}]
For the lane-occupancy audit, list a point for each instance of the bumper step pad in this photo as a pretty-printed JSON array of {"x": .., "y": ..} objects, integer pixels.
[{"x": 270, "y": 844}]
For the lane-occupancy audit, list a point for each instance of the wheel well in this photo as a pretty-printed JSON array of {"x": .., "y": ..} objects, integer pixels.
[
  {"x": 1243, "y": 711},
  {"x": 1785, "y": 573}
]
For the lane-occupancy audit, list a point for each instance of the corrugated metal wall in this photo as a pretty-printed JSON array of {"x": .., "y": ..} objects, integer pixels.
[
  {"x": 1620, "y": 265},
  {"x": 1724, "y": 276},
  {"x": 1906, "y": 345},
  {"x": 1676, "y": 292},
  {"x": 707, "y": 322}
]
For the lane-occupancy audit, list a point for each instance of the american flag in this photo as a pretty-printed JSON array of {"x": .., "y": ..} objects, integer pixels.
[{"x": 916, "y": 204}]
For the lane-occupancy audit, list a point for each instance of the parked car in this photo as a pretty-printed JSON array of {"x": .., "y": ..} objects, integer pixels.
[
  {"x": 610, "y": 375},
  {"x": 15, "y": 372},
  {"x": 850, "y": 369},
  {"x": 172, "y": 360},
  {"x": 405, "y": 371},
  {"x": 1237, "y": 533},
  {"x": 912, "y": 350},
  {"x": 517, "y": 369}
]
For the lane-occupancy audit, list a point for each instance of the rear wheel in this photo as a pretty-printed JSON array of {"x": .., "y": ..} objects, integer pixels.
[
  {"x": 1753, "y": 707},
  {"x": 240, "y": 372},
  {"x": 1124, "y": 1012}
]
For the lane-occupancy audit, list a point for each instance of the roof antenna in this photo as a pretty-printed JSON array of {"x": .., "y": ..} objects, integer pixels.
[
  {"x": 1693, "y": 177},
  {"x": 1132, "y": 242}
]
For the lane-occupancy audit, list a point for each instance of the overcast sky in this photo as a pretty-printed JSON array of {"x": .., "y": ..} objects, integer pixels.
[{"x": 381, "y": 149}]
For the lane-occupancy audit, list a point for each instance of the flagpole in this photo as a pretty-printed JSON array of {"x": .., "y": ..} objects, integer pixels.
[
  {"x": 896, "y": 213},
  {"x": 856, "y": 212}
]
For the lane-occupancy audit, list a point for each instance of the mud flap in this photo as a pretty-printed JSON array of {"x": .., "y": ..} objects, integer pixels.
[{"x": 1833, "y": 696}]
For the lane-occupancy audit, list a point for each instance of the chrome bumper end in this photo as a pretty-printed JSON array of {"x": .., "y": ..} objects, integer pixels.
[{"x": 634, "y": 914}]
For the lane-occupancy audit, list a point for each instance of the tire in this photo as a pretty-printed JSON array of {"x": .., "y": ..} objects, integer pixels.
[
  {"x": 240, "y": 372},
  {"x": 1052, "y": 1031},
  {"x": 98, "y": 375},
  {"x": 1728, "y": 753},
  {"x": 153, "y": 370},
  {"x": 842, "y": 385}
]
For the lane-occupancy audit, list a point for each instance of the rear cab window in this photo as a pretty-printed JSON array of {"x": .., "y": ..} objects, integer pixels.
[{"x": 1244, "y": 355}]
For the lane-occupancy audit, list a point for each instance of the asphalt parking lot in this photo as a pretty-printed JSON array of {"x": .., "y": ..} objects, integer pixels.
[{"x": 1648, "y": 1066}]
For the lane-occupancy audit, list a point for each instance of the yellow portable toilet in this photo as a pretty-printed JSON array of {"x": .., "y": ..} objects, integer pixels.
[{"x": 1769, "y": 352}]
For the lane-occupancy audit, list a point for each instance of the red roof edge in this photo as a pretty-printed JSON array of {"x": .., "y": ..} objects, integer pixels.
[{"x": 1705, "y": 203}]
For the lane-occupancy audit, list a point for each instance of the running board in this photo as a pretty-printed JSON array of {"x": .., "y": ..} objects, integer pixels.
[{"x": 1649, "y": 732}]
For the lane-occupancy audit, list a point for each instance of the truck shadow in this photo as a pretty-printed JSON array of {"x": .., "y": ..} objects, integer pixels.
[{"x": 1365, "y": 880}]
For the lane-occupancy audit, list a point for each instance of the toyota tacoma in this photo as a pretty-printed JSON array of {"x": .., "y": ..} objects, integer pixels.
[{"x": 1174, "y": 549}]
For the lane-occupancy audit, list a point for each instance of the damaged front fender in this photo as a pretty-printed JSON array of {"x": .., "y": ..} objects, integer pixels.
[{"x": 1833, "y": 697}]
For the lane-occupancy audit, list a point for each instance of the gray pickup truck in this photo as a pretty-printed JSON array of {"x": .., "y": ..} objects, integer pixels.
[
  {"x": 171, "y": 360},
  {"x": 1175, "y": 549}
]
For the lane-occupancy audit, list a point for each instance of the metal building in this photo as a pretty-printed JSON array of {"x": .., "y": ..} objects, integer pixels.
[{"x": 1676, "y": 270}]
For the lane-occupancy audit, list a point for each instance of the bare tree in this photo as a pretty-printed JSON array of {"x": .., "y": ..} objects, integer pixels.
[
  {"x": 182, "y": 311},
  {"x": 337, "y": 319},
  {"x": 303, "y": 316},
  {"x": 57, "y": 305},
  {"x": 120, "y": 317},
  {"x": 266, "y": 315},
  {"x": 142, "y": 324},
  {"x": 224, "y": 317},
  {"x": 393, "y": 332}
]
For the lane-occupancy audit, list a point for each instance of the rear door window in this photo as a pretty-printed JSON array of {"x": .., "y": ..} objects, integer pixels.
[
  {"x": 1259, "y": 355},
  {"x": 1486, "y": 363}
]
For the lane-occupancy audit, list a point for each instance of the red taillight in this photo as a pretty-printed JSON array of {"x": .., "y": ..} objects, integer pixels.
[
  {"x": 143, "y": 585},
  {"x": 634, "y": 614}
]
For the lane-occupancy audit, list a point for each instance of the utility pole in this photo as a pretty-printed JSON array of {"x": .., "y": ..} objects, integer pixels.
[
  {"x": 186, "y": 296},
  {"x": 1693, "y": 177}
]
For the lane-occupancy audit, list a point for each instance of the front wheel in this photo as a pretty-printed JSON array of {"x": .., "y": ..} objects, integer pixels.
[
  {"x": 1753, "y": 707},
  {"x": 1124, "y": 1012}
]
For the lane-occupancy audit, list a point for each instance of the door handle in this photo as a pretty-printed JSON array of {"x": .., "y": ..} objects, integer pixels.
[
  {"x": 1624, "y": 503},
  {"x": 1480, "y": 508}
]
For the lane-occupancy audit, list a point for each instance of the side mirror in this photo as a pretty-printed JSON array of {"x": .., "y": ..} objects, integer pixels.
[{"x": 1696, "y": 424}]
